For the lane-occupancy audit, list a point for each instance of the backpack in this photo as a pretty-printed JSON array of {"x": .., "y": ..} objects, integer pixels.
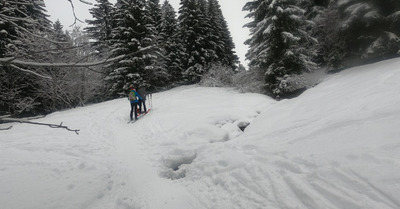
[{"x": 132, "y": 96}]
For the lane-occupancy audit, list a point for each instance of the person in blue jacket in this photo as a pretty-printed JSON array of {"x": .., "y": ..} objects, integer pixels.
[{"x": 134, "y": 98}]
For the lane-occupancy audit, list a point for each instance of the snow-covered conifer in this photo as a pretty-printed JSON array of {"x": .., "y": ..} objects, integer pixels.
[
  {"x": 171, "y": 44},
  {"x": 193, "y": 33},
  {"x": 277, "y": 43},
  {"x": 156, "y": 73},
  {"x": 132, "y": 38},
  {"x": 224, "y": 46},
  {"x": 370, "y": 28},
  {"x": 23, "y": 27},
  {"x": 100, "y": 26}
]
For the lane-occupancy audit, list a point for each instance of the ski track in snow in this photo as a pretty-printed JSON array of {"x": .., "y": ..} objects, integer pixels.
[{"x": 334, "y": 147}]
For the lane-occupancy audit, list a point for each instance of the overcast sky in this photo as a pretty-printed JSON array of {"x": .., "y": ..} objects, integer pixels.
[{"x": 232, "y": 11}]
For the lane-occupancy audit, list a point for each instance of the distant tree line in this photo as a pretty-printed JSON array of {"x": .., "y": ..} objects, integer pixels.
[
  {"x": 27, "y": 39},
  {"x": 161, "y": 50},
  {"x": 44, "y": 68},
  {"x": 290, "y": 37}
]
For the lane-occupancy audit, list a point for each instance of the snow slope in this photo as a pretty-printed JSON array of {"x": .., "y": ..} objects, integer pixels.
[{"x": 336, "y": 146}]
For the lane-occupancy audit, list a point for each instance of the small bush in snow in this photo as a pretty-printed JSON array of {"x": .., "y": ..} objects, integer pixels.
[
  {"x": 249, "y": 81},
  {"x": 290, "y": 85},
  {"x": 223, "y": 76},
  {"x": 218, "y": 76}
]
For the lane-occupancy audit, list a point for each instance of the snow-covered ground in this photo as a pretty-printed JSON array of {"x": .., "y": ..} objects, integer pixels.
[{"x": 336, "y": 146}]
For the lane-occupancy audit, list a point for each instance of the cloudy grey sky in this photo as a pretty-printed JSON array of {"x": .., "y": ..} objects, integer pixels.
[{"x": 232, "y": 11}]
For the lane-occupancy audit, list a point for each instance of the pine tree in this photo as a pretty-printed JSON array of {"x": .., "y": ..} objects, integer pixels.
[
  {"x": 276, "y": 43},
  {"x": 156, "y": 72},
  {"x": 16, "y": 19},
  {"x": 208, "y": 37},
  {"x": 370, "y": 28},
  {"x": 171, "y": 44},
  {"x": 224, "y": 48},
  {"x": 131, "y": 39},
  {"x": 100, "y": 27},
  {"x": 8, "y": 32},
  {"x": 154, "y": 9},
  {"x": 331, "y": 47},
  {"x": 191, "y": 22}
]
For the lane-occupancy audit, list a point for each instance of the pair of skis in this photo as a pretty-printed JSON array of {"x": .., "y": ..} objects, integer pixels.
[{"x": 139, "y": 116}]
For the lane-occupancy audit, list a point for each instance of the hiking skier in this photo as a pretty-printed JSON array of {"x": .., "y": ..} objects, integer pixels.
[
  {"x": 134, "y": 98},
  {"x": 142, "y": 92}
]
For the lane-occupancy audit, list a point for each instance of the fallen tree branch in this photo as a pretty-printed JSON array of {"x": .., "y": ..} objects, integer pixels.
[
  {"x": 5, "y": 129},
  {"x": 37, "y": 123}
]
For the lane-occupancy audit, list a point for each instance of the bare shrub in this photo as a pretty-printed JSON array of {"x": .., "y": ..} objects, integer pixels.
[
  {"x": 218, "y": 76},
  {"x": 249, "y": 81}
]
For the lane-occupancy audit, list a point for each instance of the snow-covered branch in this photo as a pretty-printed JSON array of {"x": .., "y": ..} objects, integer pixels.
[
  {"x": 30, "y": 71},
  {"x": 85, "y": 2},
  {"x": 7, "y": 19},
  {"x": 12, "y": 61}
]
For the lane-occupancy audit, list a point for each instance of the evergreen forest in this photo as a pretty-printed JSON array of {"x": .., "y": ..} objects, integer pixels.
[{"x": 44, "y": 68}]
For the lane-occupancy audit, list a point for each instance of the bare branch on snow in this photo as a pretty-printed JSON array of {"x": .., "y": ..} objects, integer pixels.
[
  {"x": 37, "y": 123},
  {"x": 5, "y": 129}
]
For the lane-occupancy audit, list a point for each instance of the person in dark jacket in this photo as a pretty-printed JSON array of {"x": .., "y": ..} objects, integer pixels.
[
  {"x": 134, "y": 98},
  {"x": 142, "y": 92}
]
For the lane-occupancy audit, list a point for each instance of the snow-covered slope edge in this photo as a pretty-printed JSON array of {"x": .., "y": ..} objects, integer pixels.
[{"x": 336, "y": 146}]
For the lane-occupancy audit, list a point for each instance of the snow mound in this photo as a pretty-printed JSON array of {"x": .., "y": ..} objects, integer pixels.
[{"x": 335, "y": 146}]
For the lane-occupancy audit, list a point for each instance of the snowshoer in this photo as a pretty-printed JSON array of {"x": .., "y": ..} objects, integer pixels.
[
  {"x": 134, "y": 98},
  {"x": 142, "y": 92}
]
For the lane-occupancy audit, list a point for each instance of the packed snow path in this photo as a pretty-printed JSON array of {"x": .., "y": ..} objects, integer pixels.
[{"x": 336, "y": 146}]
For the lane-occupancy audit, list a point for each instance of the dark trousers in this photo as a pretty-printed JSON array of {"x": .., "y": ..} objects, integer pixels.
[
  {"x": 133, "y": 108},
  {"x": 141, "y": 101}
]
